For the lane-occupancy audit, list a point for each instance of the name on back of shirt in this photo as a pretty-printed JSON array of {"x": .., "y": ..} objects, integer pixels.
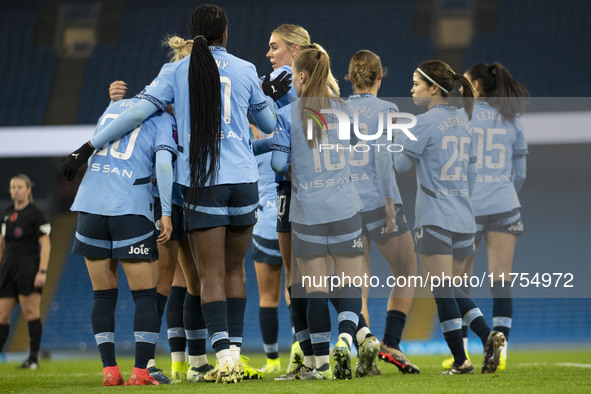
[
  {"x": 222, "y": 64},
  {"x": 366, "y": 111},
  {"x": 487, "y": 115},
  {"x": 452, "y": 122},
  {"x": 126, "y": 104}
]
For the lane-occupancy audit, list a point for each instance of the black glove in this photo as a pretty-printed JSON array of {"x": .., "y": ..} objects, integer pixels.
[
  {"x": 75, "y": 160},
  {"x": 277, "y": 87}
]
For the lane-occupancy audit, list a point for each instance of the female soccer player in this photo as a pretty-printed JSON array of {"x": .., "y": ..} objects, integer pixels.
[
  {"x": 284, "y": 44},
  {"x": 267, "y": 259},
  {"x": 501, "y": 173},
  {"x": 172, "y": 283},
  {"x": 24, "y": 257},
  {"x": 325, "y": 218},
  {"x": 217, "y": 167},
  {"x": 116, "y": 223},
  {"x": 383, "y": 215},
  {"x": 445, "y": 153}
]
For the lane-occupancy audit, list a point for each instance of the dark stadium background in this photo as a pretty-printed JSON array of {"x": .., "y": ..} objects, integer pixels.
[{"x": 58, "y": 58}]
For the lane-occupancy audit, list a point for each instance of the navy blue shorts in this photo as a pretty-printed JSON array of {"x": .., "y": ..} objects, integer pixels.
[
  {"x": 178, "y": 221},
  {"x": 266, "y": 250},
  {"x": 17, "y": 275},
  {"x": 432, "y": 240},
  {"x": 342, "y": 237},
  {"x": 506, "y": 222},
  {"x": 126, "y": 237},
  {"x": 221, "y": 205},
  {"x": 283, "y": 202},
  {"x": 374, "y": 223}
]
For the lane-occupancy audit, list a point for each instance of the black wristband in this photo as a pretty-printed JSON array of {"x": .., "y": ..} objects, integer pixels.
[{"x": 42, "y": 271}]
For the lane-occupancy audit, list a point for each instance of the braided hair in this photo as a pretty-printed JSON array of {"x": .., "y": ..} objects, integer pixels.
[{"x": 208, "y": 25}]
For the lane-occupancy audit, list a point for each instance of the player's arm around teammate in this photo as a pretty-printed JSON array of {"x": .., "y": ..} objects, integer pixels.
[
  {"x": 216, "y": 167},
  {"x": 176, "y": 283},
  {"x": 116, "y": 223}
]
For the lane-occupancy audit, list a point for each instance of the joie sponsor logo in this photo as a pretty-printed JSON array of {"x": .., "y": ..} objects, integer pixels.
[
  {"x": 139, "y": 250},
  {"x": 516, "y": 226},
  {"x": 357, "y": 243}
]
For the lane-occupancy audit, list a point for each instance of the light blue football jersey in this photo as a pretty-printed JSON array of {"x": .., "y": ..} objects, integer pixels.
[
  {"x": 363, "y": 165},
  {"x": 266, "y": 226},
  {"x": 282, "y": 136},
  {"x": 290, "y": 96},
  {"x": 118, "y": 180},
  {"x": 498, "y": 141},
  {"x": 322, "y": 190},
  {"x": 240, "y": 92},
  {"x": 284, "y": 101},
  {"x": 443, "y": 151},
  {"x": 177, "y": 194}
]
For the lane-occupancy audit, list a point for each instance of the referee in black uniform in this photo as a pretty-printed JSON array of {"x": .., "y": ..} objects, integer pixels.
[{"x": 24, "y": 256}]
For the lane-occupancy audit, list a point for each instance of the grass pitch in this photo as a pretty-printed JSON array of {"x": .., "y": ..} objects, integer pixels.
[{"x": 527, "y": 371}]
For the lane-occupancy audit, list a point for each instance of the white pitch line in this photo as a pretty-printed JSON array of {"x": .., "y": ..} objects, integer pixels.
[
  {"x": 578, "y": 365},
  {"x": 49, "y": 375}
]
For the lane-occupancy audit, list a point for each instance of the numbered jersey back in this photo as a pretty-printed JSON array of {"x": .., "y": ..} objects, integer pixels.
[
  {"x": 240, "y": 91},
  {"x": 322, "y": 190},
  {"x": 497, "y": 142},
  {"x": 118, "y": 180},
  {"x": 372, "y": 114},
  {"x": 443, "y": 150}
]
